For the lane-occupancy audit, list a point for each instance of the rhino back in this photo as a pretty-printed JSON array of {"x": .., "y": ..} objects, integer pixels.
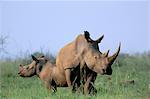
[{"x": 69, "y": 55}]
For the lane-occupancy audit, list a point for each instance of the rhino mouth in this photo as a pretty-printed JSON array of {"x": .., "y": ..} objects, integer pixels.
[
  {"x": 26, "y": 71},
  {"x": 21, "y": 69},
  {"x": 108, "y": 71}
]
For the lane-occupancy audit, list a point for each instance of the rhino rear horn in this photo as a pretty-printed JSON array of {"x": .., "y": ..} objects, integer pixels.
[{"x": 106, "y": 54}]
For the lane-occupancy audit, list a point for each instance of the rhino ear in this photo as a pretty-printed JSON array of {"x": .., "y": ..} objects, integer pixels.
[
  {"x": 34, "y": 58},
  {"x": 100, "y": 39},
  {"x": 87, "y": 36}
]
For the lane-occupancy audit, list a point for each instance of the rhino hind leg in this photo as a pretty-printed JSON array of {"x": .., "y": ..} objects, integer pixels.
[{"x": 68, "y": 76}]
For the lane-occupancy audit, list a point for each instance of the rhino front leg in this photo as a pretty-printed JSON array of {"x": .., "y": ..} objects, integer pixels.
[
  {"x": 92, "y": 89},
  {"x": 68, "y": 76},
  {"x": 54, "y": 86},
  {"x": 47, "y": 85},
  {"x": 87, "y": 85}
]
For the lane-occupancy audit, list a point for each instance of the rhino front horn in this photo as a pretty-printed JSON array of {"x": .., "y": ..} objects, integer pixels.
[{"x": 113, "y": 57}]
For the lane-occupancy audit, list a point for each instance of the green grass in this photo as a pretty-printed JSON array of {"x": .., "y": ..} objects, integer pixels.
[{"x": 130, "y": 68}]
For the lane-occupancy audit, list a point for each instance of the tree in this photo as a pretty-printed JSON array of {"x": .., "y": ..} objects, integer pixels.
[{"x": 3, "y": 42}]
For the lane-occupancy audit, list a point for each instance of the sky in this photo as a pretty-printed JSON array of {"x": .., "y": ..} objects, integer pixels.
[{"x": 50, "y": 25}]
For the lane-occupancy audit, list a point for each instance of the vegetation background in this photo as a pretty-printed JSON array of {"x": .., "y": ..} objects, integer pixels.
[{"x": 127, "y": 67}]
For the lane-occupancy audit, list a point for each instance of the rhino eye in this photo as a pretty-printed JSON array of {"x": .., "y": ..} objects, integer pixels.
[{"x": 95, "y": 57}]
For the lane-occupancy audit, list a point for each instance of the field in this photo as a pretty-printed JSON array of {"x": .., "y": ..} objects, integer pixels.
[{"x": 127, "y": 67}]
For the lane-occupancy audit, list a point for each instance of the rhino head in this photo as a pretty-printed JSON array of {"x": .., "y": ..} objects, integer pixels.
[
  {"x": 95, "y": 60},
  {"x": 32, "y": 69}
]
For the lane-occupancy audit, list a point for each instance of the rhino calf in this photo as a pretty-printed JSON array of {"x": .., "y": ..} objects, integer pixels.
[{"x": 50, "y": 74}]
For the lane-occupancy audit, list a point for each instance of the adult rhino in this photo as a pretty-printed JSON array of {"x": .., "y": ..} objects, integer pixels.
[{"x": 84, "y": 52}]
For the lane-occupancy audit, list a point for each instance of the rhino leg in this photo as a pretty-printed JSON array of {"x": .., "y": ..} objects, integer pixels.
[
  {"x": 68, "y": 76},
  {"x": 54, "y": 86},
  {"x": 92, "y": 89},
  {"x": 88, "y": 80},
  {"x": 75, "y": 79},
  {"x": 48, "y": 85},
  {"x": 87, "y": 85}
]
